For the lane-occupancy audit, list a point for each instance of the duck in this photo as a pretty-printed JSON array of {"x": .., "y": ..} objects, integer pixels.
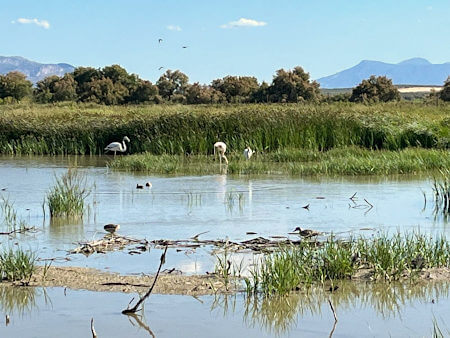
[
  {"x": 139, "y": 186},
  {"x": 307, "y": 232},
  {"x": 148, "y": 184},
  {"x": 111, "y": 228}
]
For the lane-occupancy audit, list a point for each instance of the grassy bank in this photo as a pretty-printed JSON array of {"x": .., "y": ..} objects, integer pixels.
[
  {"x": 86, "y": 129},
  {"x": 340, "y": 161},
  {"x": 382, "y": 257}
]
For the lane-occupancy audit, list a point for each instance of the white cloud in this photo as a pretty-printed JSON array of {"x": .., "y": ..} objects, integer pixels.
[
  {"x": 41, "y": 23},
  {"x": 243, "y": 22},
  {"x": 174, "y": 28}
]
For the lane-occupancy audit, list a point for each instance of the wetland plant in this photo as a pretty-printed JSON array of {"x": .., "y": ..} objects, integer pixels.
[
  {"x": 441, "y": 193},
  {"x": 383, "y": 257},
  {"x": 10, "y": 218},
  {"x": 67, "y": 197},
  {"x": 17, "y": 264}
]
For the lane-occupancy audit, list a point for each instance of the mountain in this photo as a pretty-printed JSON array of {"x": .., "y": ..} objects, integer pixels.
[
  {"x": 416, "y": 71},
  {"x": 34, "y": 71}
]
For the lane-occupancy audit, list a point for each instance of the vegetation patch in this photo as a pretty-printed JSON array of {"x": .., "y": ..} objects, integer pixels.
[
  {"x": 380, "y": 257},
  {"x": 302, "y": 162},
  {"x": 67, "y": 196},
  {"x": 16, "y": 264}
]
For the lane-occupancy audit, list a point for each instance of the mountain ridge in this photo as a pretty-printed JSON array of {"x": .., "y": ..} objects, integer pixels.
[{"x": 414, "y": 71}]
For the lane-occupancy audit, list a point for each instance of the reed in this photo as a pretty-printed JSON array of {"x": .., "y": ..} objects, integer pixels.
[
  {"x": 299, "y": 162},
  {"x": 441, "y": 193},
  {"x": 67, "y": 197},
  {"x": 17, "y": 264},
  {"x": 70, "y": 128},
  {"x": 10, "y": 218},
  {"x": 384, "y": 257}
]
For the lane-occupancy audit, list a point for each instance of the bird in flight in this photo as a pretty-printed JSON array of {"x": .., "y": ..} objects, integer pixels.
[
  {"x": 184, "y": 47},
  {"x": 160, "y": 40},
  {"x": 160, "y": 68}
]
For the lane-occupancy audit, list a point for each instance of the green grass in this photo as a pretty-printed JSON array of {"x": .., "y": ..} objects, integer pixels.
[
  {"x": 67, "y": 197},
  {"x": 342, "y": 161},
  {"x": 70, "y": 128},
  {"x": 441, "y": 193},
  {"x": 16, "y": 264},
  {"x": 384, "y": 257},
  {"x": 10, "y": 218}
]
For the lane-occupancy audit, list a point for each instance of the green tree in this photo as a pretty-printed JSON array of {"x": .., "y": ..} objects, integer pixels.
[
  {"x": 293, "y": 86},
  {"x": 262, "y": 94},
  {"x": 201, "y": 94},
  {"x": 172, "y": 83},
  {"x": 375, "y": 89},
  {"x": 15, "y": 85},
  {"x": 54, "y": 88},
  {"x": 84, "y": 76},
  {"x": 236, "y": 88},
  {"x": 445, "y": 92},
  {"x": 144, "y": 91}
]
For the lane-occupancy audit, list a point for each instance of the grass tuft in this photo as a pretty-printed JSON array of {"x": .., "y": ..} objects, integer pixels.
[{"x": 17, "y": 264}]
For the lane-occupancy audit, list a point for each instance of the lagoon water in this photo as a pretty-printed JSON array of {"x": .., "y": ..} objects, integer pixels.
[{"x": 179, "y": 207}]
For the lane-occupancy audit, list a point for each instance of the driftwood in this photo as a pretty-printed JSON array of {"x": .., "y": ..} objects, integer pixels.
[
  {"x": 108, "y": 243},
  {"x": 94, "y": 334},
  {"x": 135, "y": 308},
  {"x": 18, "y": 231}
]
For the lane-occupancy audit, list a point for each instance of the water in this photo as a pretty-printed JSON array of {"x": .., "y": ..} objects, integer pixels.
[
  {"x": 226, "y": 207},
  {"x": 362, "y": 310}
]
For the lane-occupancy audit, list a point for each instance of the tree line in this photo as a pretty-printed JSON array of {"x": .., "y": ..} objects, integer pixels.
[{"x": 113, "y": 85}]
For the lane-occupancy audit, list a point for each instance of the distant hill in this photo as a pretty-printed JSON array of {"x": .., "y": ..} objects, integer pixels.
[
  {"x": 34, "y": 71},
  {"x": 416, "y": 71}
]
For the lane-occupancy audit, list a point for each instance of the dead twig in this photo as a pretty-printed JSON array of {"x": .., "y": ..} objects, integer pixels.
[
  {"x": 335, "y": 318},
  {"x": 94, "y": 334},
  {"x": 135, "y": 308},
  {"x": 353, "y": 197}
]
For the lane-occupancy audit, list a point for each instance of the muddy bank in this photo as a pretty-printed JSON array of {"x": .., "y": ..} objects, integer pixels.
[{"x": 79, "y": 278}]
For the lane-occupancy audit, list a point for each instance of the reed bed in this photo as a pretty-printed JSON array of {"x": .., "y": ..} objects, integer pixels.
[
  {"x": 67, "y": 197},
  {"x": 17, "y": 264},
  {"x": 383, "y": 257},
  {"x": 71, "y": 128},
  {"x": 441, "y": 193},
  {"x": 298, "y": 162}
]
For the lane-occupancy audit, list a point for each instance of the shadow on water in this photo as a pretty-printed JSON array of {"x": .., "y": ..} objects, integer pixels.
[{"x": 280, "y": 314}]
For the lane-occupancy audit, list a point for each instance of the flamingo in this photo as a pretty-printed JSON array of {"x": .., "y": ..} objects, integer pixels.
[
  {"x": 117, "y": 146},
  {"x": 221, "y": 149},
  {"x": 248, "y": 152}
]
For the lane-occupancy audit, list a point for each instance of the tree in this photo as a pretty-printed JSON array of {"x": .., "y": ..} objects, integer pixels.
[
  {"x": 84, "y": 76},
  {"x": 261, "y": 95},
  {"x": 15, "y": 85},
  {"x": 445, "y": 92},
  {"x": 293, "y": 86},
  {"x": 145, "y": 91},
  {"x": 236, "y": 88},
  {"x": 375, "y": 89},
  {"x": 172, "y": 83},
  {"x": 198, "y": 94},
  {"x": 54, "y": 88}
]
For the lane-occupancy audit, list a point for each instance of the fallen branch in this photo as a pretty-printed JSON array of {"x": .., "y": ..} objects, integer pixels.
[
  {"x": 94, "y": 334},
  {"x": 335, "y": 318},
  {"x": 135, "y": 308}
]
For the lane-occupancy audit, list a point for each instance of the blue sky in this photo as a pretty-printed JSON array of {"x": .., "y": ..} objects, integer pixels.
[{"x": 225, "y": 37}]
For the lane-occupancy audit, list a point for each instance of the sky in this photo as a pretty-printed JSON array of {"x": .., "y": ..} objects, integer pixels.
[{"x": 234, "y": 37}]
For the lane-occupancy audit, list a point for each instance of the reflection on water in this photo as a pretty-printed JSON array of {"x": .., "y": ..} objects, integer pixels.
[
  {"x": 20, "y": 300},
  {"x": 280, "y": 314}
]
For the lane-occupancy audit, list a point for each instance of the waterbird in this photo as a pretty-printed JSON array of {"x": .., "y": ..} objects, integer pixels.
[
  {"x": 307, "y": 232},
  {"x": 117, "y": 146},
  {"x": 148, "y": 184},
  {"x": 111, "y": 228},
  {"x": 306, "y": 207},
  {"x": 248, "y": 152},
  {"x": 139, "y": 186},
  {"x": 221, "y": 148}
]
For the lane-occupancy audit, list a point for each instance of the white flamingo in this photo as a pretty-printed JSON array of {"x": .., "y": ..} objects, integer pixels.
[
  {"x": 221, "y": 149},
  {"x": 117, "y": 146},
  {"x": 248, "y": 152}
]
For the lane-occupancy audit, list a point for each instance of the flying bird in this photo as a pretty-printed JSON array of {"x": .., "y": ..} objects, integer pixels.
[
  {"x": 185, "y": 47},
  {"x": 160, "y": 40},
  {"x": 117, "y": 146},
  {"x": 160, "y": 68}
]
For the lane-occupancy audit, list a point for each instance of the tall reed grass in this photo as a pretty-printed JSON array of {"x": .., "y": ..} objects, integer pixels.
[
  {"x": 177, "y": 129},
  {"x": 17, "y": 264},
  {"x": 441, "y": 192},
  {"x": 341, "y": 161},
  {"x": 10, "y": 218},
  {"x": 383, "y": 257},
  {"x": 67, "y": 197}
]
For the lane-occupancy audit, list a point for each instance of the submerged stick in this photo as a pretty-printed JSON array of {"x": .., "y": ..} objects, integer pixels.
[
  {"x": 94, "y": 334},
  {"x": 335, "y": 318},
  {"x": 135, "y": 308}
]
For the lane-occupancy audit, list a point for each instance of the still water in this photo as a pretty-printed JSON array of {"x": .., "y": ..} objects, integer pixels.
[{"x": 224, "y": 206}]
